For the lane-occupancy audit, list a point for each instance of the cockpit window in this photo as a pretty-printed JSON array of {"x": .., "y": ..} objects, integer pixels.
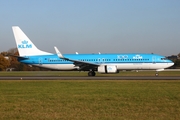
[{"x": 164, "y": 59}]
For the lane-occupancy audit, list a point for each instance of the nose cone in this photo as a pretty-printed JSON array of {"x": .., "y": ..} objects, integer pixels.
[{"x": 170, "y": 63}]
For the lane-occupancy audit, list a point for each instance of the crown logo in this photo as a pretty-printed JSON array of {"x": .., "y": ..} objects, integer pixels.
[
  {"x": 137, "y": 57},
  {"x": 24, "y": 42}
]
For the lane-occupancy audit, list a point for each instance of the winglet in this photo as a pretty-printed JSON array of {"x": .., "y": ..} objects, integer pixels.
[{"x": 58, "y": 52}]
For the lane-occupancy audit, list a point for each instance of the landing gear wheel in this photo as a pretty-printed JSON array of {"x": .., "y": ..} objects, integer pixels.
[
  {"x": 91, "y": 73},
  {"x": 156, "y": 74}
]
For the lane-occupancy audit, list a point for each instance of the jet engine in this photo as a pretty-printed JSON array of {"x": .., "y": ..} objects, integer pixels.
[{"x": 107, "y": 69}]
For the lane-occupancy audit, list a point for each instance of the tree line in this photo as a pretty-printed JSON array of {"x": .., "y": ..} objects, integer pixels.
[{"x": 8, "y": 60}]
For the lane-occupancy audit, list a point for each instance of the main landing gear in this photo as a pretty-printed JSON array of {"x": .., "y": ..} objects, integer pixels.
[{"x": 91, "y": 73}]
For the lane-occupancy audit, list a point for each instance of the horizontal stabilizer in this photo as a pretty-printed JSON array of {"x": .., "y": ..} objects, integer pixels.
[{"x": 19, "y": 57}]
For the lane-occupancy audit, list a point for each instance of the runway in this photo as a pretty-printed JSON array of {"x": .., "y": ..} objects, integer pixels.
[{"x": 94, "y": 78}]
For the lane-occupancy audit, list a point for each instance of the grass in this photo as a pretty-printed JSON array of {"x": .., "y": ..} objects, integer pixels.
[
  {"x": 76, "y": 73},
  {"x": 79, "y": 100}
]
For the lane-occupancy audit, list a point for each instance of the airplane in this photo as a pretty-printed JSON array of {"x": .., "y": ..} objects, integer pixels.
[{"x": 102, "y": 63}]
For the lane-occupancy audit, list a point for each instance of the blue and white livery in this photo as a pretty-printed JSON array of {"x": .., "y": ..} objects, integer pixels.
[{"x": 102, "y": 63}]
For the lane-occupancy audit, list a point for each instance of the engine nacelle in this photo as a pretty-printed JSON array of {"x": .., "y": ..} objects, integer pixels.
[{"x": 107, "y": 69}]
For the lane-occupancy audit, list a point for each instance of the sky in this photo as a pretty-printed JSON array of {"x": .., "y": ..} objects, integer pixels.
[{"x": 92, "y": 26}]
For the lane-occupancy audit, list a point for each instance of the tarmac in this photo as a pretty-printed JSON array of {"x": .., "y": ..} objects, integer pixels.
[{"x": 93, "y": 78}]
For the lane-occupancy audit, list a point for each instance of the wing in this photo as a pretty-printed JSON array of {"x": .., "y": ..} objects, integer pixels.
[{"x": 82, "y": 64}]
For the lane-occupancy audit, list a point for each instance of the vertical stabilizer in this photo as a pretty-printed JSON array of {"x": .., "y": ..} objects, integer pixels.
[{"x": 25, "y": 45}]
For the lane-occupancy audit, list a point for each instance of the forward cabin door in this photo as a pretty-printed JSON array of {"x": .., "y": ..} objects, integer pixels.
[
  {"x": 154, "y": 59},
  {"x": 40, "y": 61}
]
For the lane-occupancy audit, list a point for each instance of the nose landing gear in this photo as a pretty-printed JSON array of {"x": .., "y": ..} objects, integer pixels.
[{"x": 156, "y": 74}]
